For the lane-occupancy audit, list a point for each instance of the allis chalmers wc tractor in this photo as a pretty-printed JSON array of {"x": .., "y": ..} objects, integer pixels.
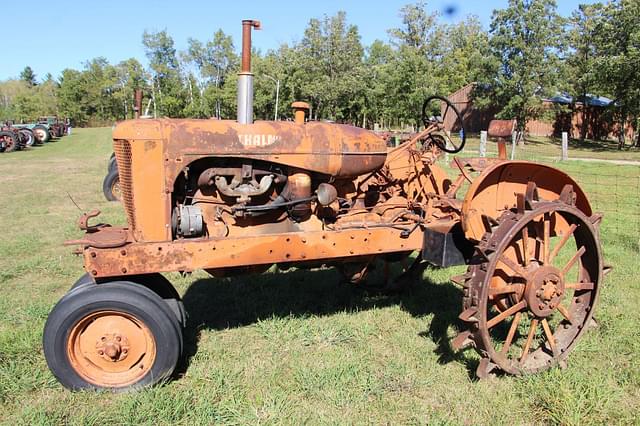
[{"x": 237, "y": 196}]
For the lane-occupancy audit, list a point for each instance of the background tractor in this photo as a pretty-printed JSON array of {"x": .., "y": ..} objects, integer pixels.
[{"x": 231, "y": 197}]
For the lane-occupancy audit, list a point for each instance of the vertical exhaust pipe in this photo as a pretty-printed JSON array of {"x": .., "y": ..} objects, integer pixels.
[{"x": 245, "y": 78}]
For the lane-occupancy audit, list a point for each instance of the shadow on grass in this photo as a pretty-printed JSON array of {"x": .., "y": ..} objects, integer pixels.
[{"x": 224, "y": 303}]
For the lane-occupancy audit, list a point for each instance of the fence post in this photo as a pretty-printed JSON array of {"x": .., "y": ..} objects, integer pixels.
[
  {"x": 514, "y": 138},
  {"x": 483, "y": 143},
  {"x": 565, "y": 146}
]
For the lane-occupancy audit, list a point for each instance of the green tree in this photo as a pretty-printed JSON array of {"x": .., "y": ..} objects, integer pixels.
[
  {"x": 130, "y": 76},
  {"x": 415, "y": 75},
  {"x": 464, "y": 61},
  {"x": 215, "y": 60},
  {"x": 72, "y": 95},
  {"x": 380, "y": 60},
  {"x": 167, "y": 89},
  {"x": 618, "y": 60},
  {"x": 583, "y": 52},
  {"x": 9, "y": 91},
  {"x": 28, "y": 76},
  {"x": 329, "y": 68},
  {"x": 526, "y": 38}
]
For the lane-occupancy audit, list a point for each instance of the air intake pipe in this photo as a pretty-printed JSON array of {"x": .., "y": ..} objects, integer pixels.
[{"x": 245, "y": 78}]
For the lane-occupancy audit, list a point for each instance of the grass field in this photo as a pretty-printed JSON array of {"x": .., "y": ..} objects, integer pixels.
[
  {"x": 297, "y": 347},
  {"x": 545, "y": 149}
]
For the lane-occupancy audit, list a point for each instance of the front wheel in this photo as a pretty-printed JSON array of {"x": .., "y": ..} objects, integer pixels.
[
  {"x": 112, "y": 165},
  {"x": 27, "y": 135},
  {"x": 114, "y": 336},
  {"x": 111, "y": 186}
]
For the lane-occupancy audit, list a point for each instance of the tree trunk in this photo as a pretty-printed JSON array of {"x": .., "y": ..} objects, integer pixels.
[{"x": 621, "y": 135}]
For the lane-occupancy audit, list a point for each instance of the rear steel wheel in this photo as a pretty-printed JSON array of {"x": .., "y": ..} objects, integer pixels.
[
  {"x": 531, "y": 293},
  {"x": 9, "y": 140}
]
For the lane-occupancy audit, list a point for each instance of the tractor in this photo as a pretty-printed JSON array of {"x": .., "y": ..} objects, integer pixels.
[
  {"x": 14, "y": 138},
  {"x": 238, "y": 196},
  {"x": 56, "y": 127},
  {"x": 41, "y": 132}
]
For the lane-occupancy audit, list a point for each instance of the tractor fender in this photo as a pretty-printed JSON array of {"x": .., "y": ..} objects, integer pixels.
[{"x": 497, "y": 187}]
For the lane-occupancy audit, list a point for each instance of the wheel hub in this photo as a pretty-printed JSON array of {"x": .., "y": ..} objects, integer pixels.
[
  {"x": 544, "y": 291},
  {"x": 113, "y": 347}
]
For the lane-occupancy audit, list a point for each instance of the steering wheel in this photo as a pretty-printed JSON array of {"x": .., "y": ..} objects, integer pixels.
[{"x": 449, "y": 134}]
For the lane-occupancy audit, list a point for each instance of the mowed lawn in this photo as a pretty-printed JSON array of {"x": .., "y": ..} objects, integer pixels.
[{"x": 296, "y": 347}]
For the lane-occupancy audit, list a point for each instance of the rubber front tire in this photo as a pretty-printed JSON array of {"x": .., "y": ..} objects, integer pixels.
[
  {"x": 119, "y": 302},
  {"x": 110, "y": 183},
  {"x": 113, "y": 165},
  {"x": 154, "y": 282},
  {"x": 30, "y": 139}
]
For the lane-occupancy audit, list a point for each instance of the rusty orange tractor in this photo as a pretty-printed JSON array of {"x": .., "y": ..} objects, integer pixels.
[{"x": 233, "y": 197}]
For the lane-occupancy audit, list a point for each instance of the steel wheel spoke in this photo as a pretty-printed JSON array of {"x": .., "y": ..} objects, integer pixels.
[
  {"x": 573, "y": 260},
  {"x": 580, "y": 286},
  {"x": 562, "y": 242},
  {"x": 547, "y": 240},
  {"x": 512, "y": 333},
  {"x": 565, "y": 313},
  {"x": 502, "y": 316},
  {"x": 513, "y": 266},
  {"x": 525, "y": 245},
  {"x": 527, "y": 345},
  {"x": 508, "y": 289},
  {"x": 550, "y": 338}
]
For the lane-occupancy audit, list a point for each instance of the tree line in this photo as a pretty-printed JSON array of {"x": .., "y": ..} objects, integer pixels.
[{"x": 528, "y": 53}]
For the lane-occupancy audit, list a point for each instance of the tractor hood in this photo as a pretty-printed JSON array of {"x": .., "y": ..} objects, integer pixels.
[{"x": 332, "y": 149}]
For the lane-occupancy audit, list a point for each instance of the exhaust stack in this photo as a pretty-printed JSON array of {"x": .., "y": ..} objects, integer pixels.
[{"x": 245, "y": 78}]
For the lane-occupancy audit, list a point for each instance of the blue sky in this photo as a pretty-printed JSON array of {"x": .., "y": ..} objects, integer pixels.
[{"x": 65, "y": 33}]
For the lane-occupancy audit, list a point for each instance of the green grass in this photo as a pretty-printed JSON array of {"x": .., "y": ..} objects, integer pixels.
[
  {"x": 298, "y": 347},
  {"x": 545, "y": 149}
]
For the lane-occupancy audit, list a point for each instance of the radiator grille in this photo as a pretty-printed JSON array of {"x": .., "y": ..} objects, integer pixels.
[{"x": 123, "y": 157}]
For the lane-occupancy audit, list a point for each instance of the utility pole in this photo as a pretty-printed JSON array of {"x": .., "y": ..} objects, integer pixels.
[{"x": 277, "y": 82}]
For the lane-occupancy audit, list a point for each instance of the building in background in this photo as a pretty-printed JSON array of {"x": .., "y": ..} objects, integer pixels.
[{"x": 565, "y": 116}]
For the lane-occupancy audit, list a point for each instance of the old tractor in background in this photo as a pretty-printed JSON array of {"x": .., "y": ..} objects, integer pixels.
[
  {"x": 41, "y": 132},
  {"x": 232, "y": 197},
  {"x": 57, "y": 127},
  {"x": 14, "y": 138}
]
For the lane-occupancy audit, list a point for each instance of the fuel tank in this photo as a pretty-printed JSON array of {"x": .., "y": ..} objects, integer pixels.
[{"x": 332, "y": 149}]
